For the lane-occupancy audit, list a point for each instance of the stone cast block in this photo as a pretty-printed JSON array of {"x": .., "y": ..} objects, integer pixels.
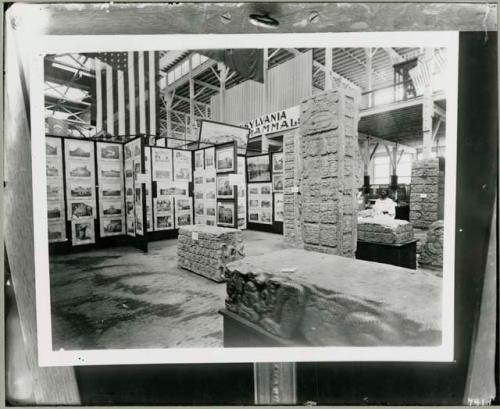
[
  {"x": 330, "y": 181},
  {"x": 211, "y": 251},
  {"x": 431, "y": 251},
  {"x": 427, "y": 192},
  {"x": 384, "y": 230},
  {"x": 327, "y": 300}
]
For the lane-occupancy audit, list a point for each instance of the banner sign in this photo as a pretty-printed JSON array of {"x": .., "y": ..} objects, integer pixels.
[{"x": 279, "y": 121}]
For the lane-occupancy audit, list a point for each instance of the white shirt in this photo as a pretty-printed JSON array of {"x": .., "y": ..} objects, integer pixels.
[{"x": 385, "y": 205}]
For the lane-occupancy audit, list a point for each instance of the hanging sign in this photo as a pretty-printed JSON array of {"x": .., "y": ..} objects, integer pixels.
[{"x": 279, "y": 121}]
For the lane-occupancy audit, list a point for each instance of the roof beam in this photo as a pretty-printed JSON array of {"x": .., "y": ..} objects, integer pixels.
[
  {"x": 335, "y": 74},
  {"x": 207, "y": 85},
  {"x": 196, "y": 71},
  {"x": 440, "y": 112},
  {"x": 386, "y": 143},
  {"x": 393, "y": 55}
]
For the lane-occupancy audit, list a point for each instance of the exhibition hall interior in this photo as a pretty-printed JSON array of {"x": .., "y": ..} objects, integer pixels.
[{"x": 246, "y": 197}]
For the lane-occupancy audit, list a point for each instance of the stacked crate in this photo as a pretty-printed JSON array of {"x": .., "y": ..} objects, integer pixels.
[
  {"x": 328, "y": 145},
  {"x": 205, "y": 250}
]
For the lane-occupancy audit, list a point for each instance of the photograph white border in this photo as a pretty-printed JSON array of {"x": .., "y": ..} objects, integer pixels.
[{"x": 41, "y": 45}]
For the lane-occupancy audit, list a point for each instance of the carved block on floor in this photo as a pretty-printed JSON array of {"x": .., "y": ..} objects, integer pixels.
[
  {"x": 327, "y": 300},
  {"x": 205, "y": 250}
]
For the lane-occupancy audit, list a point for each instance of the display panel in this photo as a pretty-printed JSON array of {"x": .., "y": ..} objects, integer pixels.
[
  {"x": 217, "y": 133},
  {"x": 80, "y": 190},
  {"x": 260, "y": 203},
  {"x": 110, "y": 174},
  {"x": 55, "y": 190}
]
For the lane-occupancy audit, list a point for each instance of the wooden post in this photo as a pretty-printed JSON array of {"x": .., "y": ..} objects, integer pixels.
[
  {"x": 222, "y": 79},
  {"x": 428, "y": 106},
  {"x": 328, "y": 69},
  {"x": 369, "y": 77},
  {"x": 264, "y": 138},
  {"x": 275, "y": 383},
  {"x": 192, "y": 120}
]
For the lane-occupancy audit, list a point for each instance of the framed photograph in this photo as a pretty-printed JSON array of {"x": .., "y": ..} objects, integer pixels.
[
  {"x": 56, "y": 232},
  {"x": 266, "y": 217},
  {"x": 172, "y": 189},
  {"x": 54, "y": 211},
  {"x": 226, "y": 214},
  {"x": 129, "y": 173},
  {"x": 265, "y": 189},
  {"x": 78, "y": 149},
  {"x": 209, "y": 158},
  {"x": 278, "y": 207},
  {"x": 109, "y": 151},
  {"x": 82, "y": 232},
  {"x": 52, "y": 147},
  {"x": 253, "y": 217},
  {"x": 112, "y": 208},
  {"x": 183, "y": 204},
  {"x": 111, "y": 170},
  {"x": 80, "y": 189},
  {"x": 55, "y": 191},
  {"x": 225, "y": 158},
  {"x": 77, "y": 209},
  {"x": 111, "y": 191},
  {"x": 163, "y": 205},
  {"x": 112, "y": 226},
  {"x": 199, "y": 159},
  {"x": 79, "y": 170},
  {"x": 183, "y": 219},
  {"x": 210, "y": 211},
  {"x": 278, "y": 162},
  {"x": 199, "y": 208},
  {"x": 210, "y": 177},
  {"x": 129, "y": 204},
  {"x": 164, "y": 222},
  {"x": 217, "y": 133},
  {"x": 278, "y": 182},
  {"x": 131, "y": 225},
  {"x": 258, "y": 169},
  {"x": 182, "y": 166},
  {"x": 139, "y": 228},
  {"x": 199, "y": 178},
  {"x": 162, "y": 164},
  {"x": 128, "y": 151},
  {"x": 224, "y": 189}
]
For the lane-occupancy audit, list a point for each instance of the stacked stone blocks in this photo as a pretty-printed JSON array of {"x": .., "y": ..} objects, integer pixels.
[
  {"x": 427, "y": 192},
  {"x": 292, "y": 230},
  {"x": 206, "y": 250},
  {"x": 387, "y": 231}
]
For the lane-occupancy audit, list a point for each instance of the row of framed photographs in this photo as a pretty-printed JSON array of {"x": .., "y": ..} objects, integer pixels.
[
  {"x": 261, "y": 167},
  {"x": 222, "y": 159}
]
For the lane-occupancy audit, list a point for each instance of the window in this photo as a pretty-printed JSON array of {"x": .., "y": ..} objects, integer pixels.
[
  {"x": 381, "y": 170},
  {"x": 404, "y": 168}
]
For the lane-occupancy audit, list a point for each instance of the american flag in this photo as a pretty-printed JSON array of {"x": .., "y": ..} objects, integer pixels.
[{"x": 126, "y": 92}]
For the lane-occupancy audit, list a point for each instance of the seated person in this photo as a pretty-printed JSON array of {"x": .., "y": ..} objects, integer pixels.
[{"x": 384, "y": 205}]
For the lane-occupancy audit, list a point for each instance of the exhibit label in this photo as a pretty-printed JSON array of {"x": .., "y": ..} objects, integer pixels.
[{"x": 279, "y": 121}]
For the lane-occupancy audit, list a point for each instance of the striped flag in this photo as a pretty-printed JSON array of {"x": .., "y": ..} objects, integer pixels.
[{"x": 126, "y": 93}]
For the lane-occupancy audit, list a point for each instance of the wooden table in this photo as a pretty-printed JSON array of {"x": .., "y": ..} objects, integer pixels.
[{"x": 399, "y": 254}]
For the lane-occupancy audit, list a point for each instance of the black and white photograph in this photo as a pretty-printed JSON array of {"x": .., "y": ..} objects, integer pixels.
[
  {"x": 199, "y": 159},
  {"x": 390, "y": 222},
  {"x": 112, "y": 208},
  {"x": 225, "y": 190},
  {"x": 79, "y": 209},
  {"x": 277, "y": 162},
  {"x": 259, "y": 168},
  {"x": 56, "y": 232},
  {"x": 78, "y": 149},
  {"x": 219, "y": 133},
  {"x": 225, "y": 214},
  {"x": 82, "y": 232},
  {"x": 112, "y": 227},
  {"x": 209, "y": 158},
  {"x": 182, "y": 166},
  {"x": 224, "y": 159},
  {"x": 109, "y": 151},
  {"x": 277, "y": 182},
  {"x": 54, "y": 191},
  {"x": 52, "y": 147}
]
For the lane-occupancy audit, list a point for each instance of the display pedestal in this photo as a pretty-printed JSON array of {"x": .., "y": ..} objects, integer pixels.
[{"x": 402, "y": 255}]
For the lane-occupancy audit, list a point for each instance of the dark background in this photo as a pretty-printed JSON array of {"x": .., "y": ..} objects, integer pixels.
[{"x": 362, "y": 383}]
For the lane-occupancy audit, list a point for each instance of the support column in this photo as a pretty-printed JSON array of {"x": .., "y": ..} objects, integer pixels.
[
  {"x": 328, "y": 127},
  {"x": 222, "y": 80},
  {"x": 328, "y": 69},
  {"x": 264, "y": 138},
  {"x": 369, "y": 76},
  {"x": 192, "y": 120},
  {"x": 427, "y": 106},
  {"x": 394, "y": 162}
]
